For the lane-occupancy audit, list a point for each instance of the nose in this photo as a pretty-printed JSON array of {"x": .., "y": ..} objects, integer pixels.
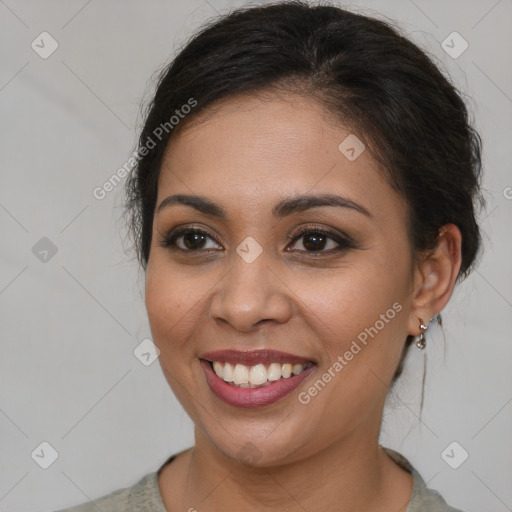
[{"x": 251, "y": 294}]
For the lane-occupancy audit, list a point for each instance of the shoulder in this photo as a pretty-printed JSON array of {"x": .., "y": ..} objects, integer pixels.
[
  {"x": 431, "y": 501},
  {"x": 423, "y": 499},
  {"x": 144, "y": 496}
]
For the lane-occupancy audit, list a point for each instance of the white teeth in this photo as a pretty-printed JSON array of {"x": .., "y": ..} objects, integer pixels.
[
  {"x": 297, "y": 368},
  {"x": 218, "y": 369},
  {"x": 255, "y": 376},
  {"x": 258, "y": 375},
  {"x": 274, "y": 372},
  {"x": 241, "y": 374},
  {"x": 228, "y": 372}
]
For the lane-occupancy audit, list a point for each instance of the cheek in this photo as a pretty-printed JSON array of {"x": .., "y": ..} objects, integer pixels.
[
  {"x": 353, "y": 308},
  {"x": 161, "y": 304},
  {"x": 169, "y": 300},
  {"x": 359, "y": 321}
]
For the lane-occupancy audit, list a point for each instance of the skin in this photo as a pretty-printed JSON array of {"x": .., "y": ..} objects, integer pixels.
[{"x": 247, "y": 155}]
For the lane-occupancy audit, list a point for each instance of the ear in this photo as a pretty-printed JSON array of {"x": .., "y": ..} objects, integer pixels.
[{"x": 435, "y": 277}]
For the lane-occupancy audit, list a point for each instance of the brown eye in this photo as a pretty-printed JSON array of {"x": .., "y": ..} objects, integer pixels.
[
  {"x": 194, "y": 240},
  {"x": 316, "y": 240},
  {"x": 188, "y": 240}
]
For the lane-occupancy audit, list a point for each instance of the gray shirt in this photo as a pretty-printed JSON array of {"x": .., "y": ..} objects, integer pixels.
[{"x": 145, "y": 495}]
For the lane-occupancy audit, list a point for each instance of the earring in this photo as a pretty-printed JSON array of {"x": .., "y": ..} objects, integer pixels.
[{"x": 422, "y": 341}]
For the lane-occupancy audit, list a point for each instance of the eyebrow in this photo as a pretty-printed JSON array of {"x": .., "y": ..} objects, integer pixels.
[
  {"x": 305, "y": 202},
  {"x": 282, "y": 209},
  {"x": 199, "y": 203}
]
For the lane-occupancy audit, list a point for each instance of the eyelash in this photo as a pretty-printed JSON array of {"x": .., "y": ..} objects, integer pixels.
[{"x": 345, "y": 242}]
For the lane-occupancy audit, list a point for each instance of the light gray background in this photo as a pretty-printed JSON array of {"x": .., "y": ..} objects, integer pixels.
[{"x": 69, "y": 325}]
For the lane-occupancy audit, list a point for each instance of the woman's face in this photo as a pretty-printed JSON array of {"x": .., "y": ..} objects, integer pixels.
[{"x": 252, "y": 281}]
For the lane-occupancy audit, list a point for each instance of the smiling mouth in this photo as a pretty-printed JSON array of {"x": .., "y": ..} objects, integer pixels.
[{"x": 256, "y": 376}]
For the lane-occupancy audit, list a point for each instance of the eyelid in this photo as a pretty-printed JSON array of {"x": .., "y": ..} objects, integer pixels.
[
  {"x": 343, "y": 240},
  {"x": 168, "y": 241}
]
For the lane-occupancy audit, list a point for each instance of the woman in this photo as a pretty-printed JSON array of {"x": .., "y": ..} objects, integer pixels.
[{"x": 303, "y": 206}]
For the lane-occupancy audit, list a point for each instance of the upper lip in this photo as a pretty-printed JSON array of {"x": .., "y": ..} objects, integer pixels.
[{"x": 251, "y": 358}]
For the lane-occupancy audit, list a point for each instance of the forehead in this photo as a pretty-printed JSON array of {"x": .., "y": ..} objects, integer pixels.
[{"x": 253, "y": 151}]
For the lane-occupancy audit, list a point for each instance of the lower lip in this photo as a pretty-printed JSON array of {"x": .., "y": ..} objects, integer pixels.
[{"x": 253, "y": 397}]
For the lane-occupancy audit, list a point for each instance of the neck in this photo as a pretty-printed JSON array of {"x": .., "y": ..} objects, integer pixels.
[{"x": 352, "y": 474}]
